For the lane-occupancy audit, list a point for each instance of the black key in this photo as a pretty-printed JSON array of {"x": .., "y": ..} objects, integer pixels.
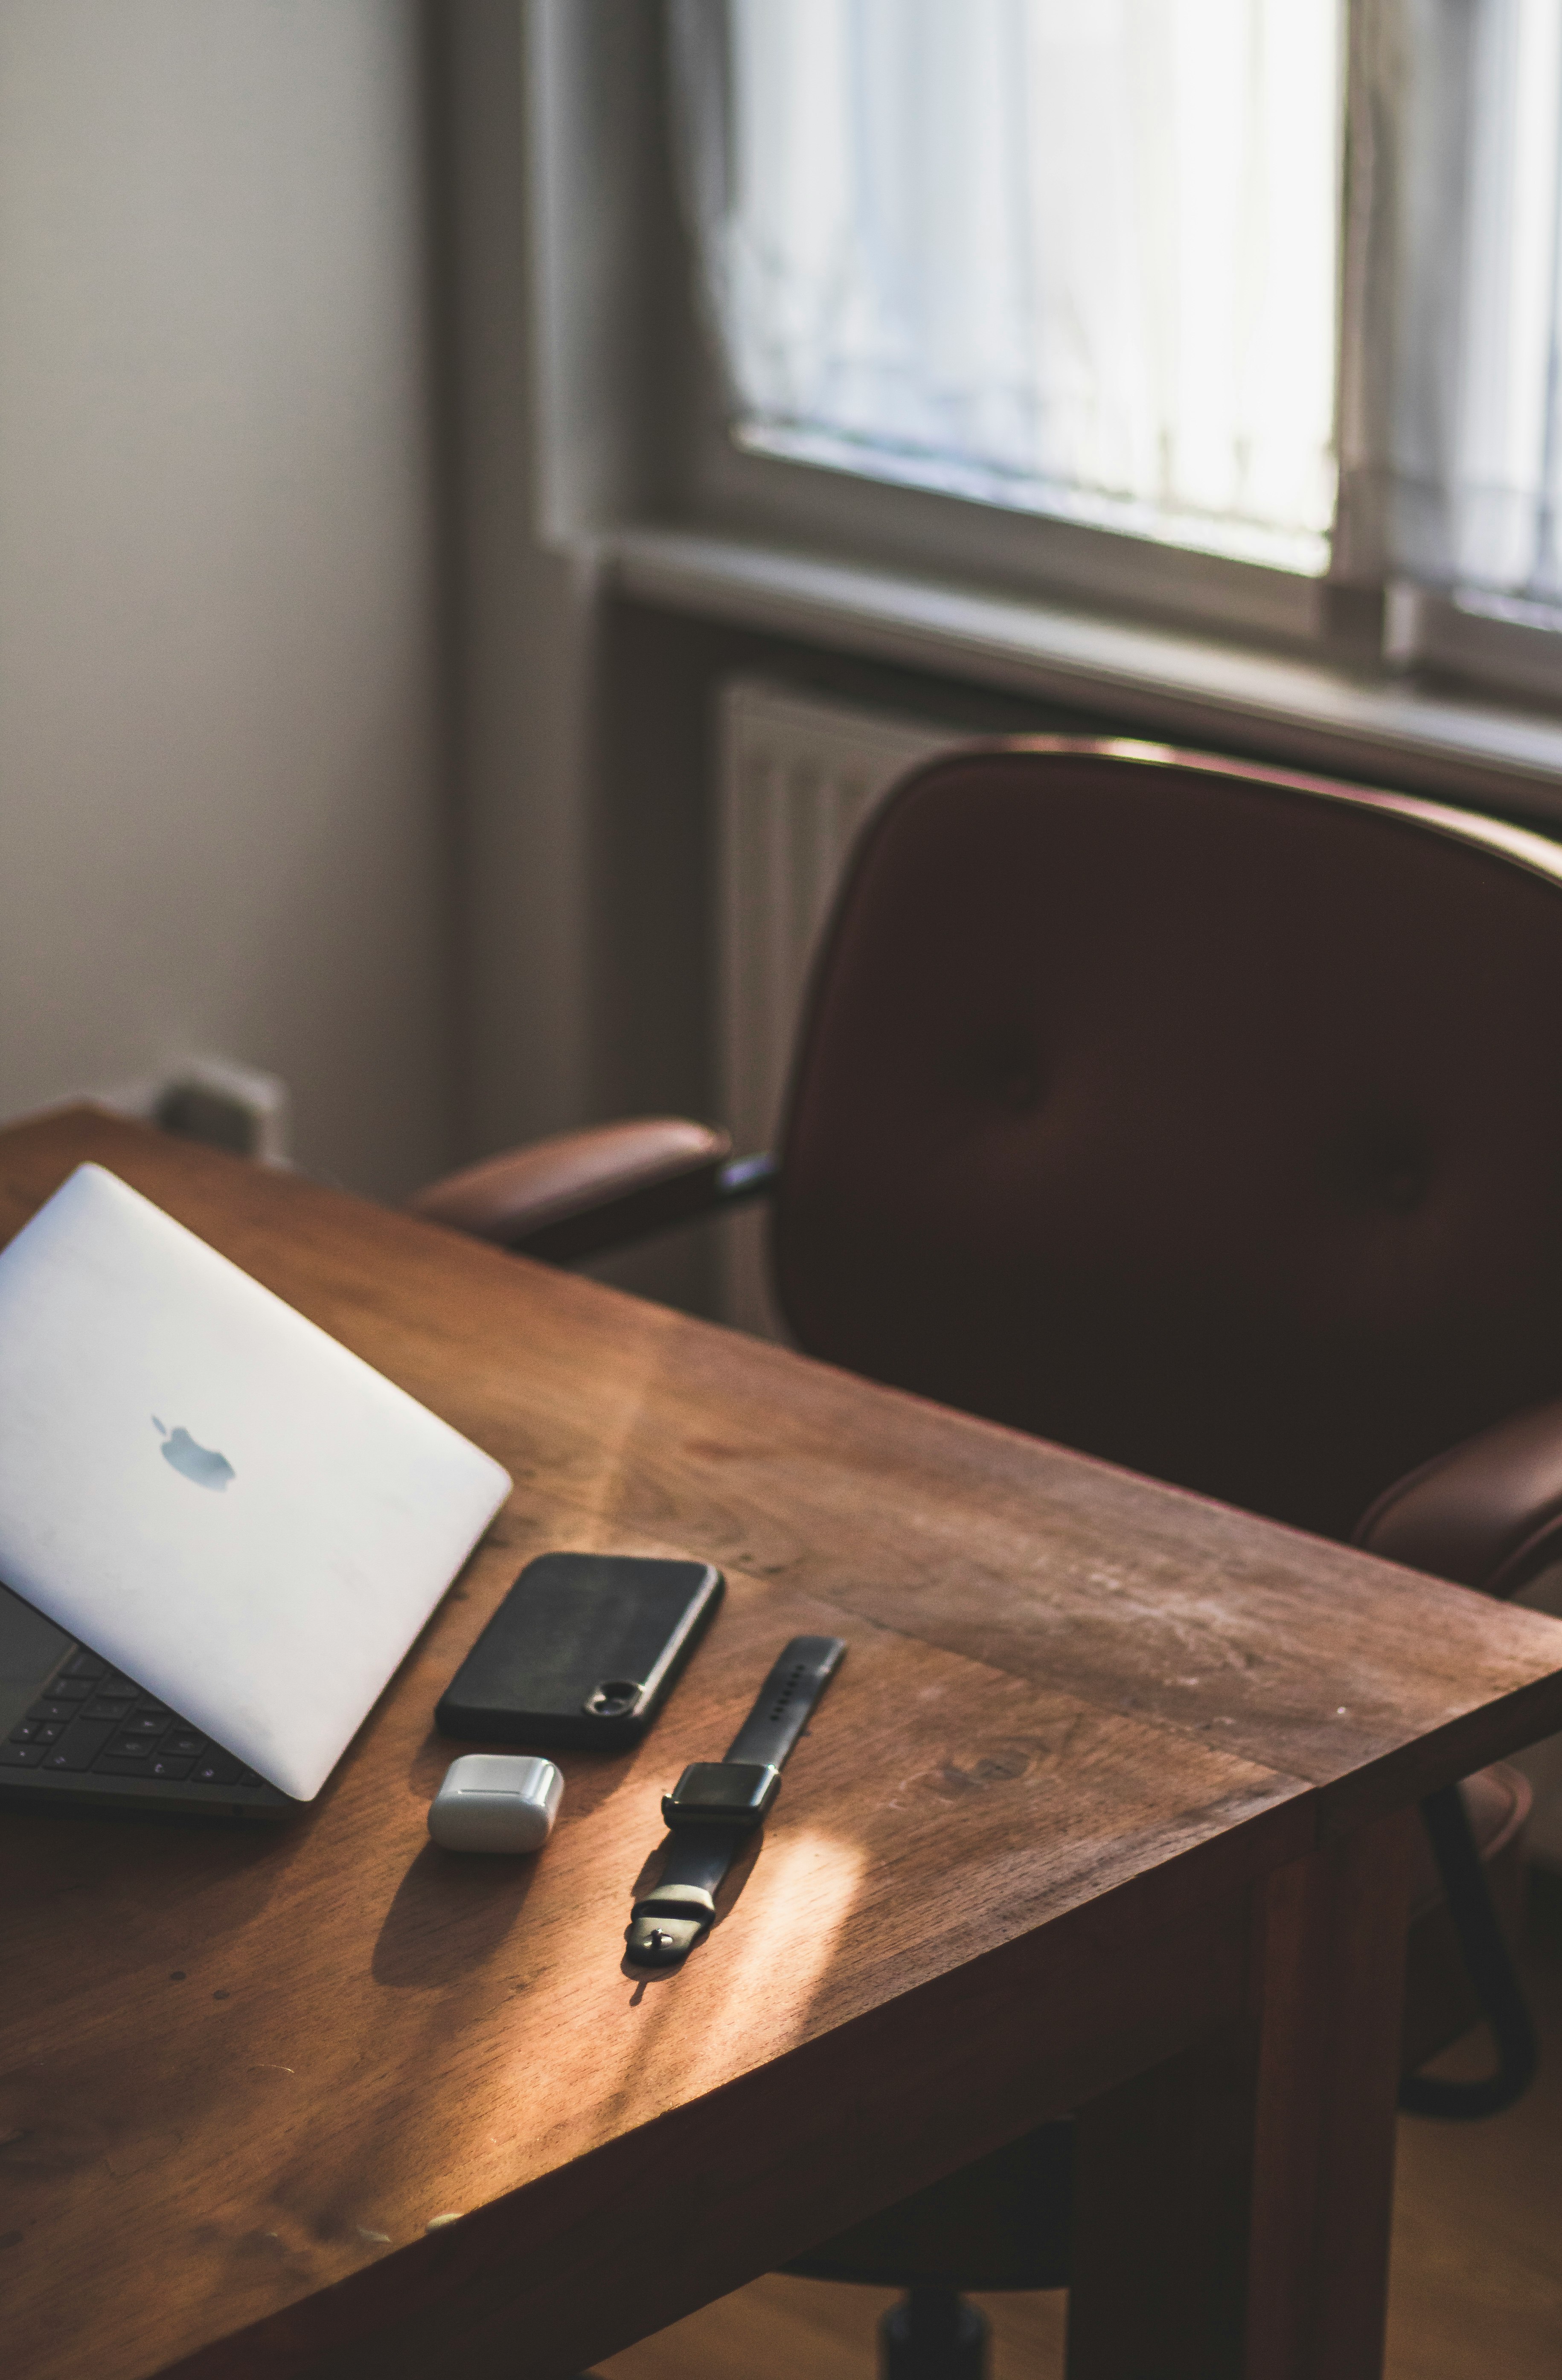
[
  {"x": 146, "y": 1723},
  {"x": 184, "y": 1743},
  {"x": 106, "y": 1706},
  {"x": 217, "y": 1768},
  {"x": 48, "y": 1731},
  {"x": 150, "y": 1703},
  {"x": 85, "y": 1665},
  {"x": 174, "y": 1769},
  {"x": 134, "y": 1747},
  {"x": 119, "y": 1685},
  {"x": 27, "y": 1732},
  {"x": 22, "y": 1755},
  {"x": 248, "y": 1777},
  {"x": 110, "y": 1764},
  {"x": 70, "y": 1690},
  {"x": 78, "y": 1747},
  {"x": 47, "y": 1709}
]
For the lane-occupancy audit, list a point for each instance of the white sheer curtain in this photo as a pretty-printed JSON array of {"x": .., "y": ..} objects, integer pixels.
[
  {"x": 1454, "y": 470},
  {"x": 1086, "y": 257},
  {"x": 1075, "y": 255},
  {"x": 1505, "y": 472}
]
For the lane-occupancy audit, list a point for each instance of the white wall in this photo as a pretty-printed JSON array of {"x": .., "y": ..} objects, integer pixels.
[{"x": 220, "y": 804}]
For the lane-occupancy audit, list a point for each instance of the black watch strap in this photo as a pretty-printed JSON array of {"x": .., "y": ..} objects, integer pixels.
[
  {"x": 785, "y": 1702},
  {"x": 671, "y": 1918},
  {"x": 698, "y": 1860}
]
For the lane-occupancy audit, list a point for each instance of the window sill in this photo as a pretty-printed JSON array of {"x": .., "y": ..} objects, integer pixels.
[{"x": 1194, "y": 690}]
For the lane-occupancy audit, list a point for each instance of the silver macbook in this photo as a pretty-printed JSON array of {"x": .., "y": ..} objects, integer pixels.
[{"x": 224, "y": 1529}]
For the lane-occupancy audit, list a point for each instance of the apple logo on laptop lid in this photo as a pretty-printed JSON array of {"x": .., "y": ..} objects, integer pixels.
[{"x": 201, "y": 1463}]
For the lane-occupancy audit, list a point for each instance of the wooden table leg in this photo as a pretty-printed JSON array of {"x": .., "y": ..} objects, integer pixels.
[{"x": 1232, "y": 2207}]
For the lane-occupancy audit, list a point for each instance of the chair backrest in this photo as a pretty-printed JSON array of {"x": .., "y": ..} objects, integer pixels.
[{"x": 1202, "y": 1117}]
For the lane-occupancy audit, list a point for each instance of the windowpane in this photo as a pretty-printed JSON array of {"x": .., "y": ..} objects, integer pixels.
[{"x": 1079, "y": 258}]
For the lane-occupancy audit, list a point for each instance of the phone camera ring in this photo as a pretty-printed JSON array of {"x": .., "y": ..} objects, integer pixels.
[{"x": 614, "y": 1698}]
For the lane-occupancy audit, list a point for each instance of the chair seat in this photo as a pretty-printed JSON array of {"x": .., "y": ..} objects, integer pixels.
[{"x": 1002, "y": 2223}]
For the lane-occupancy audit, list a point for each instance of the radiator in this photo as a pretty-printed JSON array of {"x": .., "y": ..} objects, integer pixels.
[{"x": 798, "y": 776}]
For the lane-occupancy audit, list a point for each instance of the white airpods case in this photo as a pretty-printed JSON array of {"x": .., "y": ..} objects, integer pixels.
[{"x": 496, "y": 1801}]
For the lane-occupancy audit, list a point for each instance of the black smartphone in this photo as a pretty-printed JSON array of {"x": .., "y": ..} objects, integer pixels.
[{"x": 583, "y": 1651}]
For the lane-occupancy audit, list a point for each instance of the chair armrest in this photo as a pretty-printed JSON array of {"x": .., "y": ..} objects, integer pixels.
[
  {"x": 583, "y": 1192},
  {"x": 1488, "y": 1514}
]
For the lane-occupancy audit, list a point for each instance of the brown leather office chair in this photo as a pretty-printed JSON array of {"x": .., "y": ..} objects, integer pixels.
[{"x": 1208, "y": 1119}]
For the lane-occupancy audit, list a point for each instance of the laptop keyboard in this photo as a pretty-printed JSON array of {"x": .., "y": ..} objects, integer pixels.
[{"x": 91, "y": 1719}]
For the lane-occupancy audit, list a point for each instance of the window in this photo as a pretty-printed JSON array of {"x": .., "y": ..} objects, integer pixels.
[{"x": 1271, "y": 280}]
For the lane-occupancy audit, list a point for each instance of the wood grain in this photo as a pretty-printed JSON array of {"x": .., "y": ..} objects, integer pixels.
[
  {"x": 1082, "y": 1719},
  {"x": 1328, "y": 1996}
]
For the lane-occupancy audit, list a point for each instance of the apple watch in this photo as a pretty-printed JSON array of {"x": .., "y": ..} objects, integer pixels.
[
  {"x": 722, "y": 1793},
  {"x": 716, "y": 1804}
]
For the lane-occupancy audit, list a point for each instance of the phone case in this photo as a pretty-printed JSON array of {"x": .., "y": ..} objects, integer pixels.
[{"x": 582, "y": 1651}]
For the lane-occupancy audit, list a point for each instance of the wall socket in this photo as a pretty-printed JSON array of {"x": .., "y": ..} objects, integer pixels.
[
  {"x": 216, "y": 1100},
  {"x": 227, "y": 1106}
]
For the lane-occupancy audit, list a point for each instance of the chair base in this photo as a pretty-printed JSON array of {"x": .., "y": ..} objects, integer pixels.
[
  {"x": 1440, "y": 2001},
  {"x": 933, "y": 2335}
]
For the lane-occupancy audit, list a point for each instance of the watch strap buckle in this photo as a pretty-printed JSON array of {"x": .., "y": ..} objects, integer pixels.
[{"x": 665, "y": 1925}]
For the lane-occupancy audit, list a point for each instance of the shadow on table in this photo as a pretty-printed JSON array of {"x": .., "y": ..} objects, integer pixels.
[{"x": 449, "y": 1914}]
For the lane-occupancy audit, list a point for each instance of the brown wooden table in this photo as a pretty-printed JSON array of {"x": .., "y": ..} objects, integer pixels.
[{"x": 1108, "y": 1811}]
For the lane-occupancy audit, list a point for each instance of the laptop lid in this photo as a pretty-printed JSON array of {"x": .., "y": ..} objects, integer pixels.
[{"x": 209, "y": 1490}]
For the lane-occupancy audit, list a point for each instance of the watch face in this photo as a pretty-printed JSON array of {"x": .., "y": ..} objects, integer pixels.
[{"x": 724, "y": 1788}]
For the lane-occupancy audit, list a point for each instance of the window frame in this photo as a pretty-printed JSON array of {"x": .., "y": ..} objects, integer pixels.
[{"x": 633, "y": 444}]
